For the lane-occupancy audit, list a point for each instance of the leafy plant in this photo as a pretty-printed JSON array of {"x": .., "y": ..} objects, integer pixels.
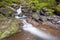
[{"x": 51, "y": 11}]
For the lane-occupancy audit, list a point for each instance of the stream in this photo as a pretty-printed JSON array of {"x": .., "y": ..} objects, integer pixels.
[{"x": 32, "y": 29}]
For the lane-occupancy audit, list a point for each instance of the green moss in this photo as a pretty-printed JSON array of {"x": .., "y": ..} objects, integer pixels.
[
  {"x": 7, "y": 32},
  {"x": 14, "y": 28},
  {"x": 10, "y": 26},
  {"x": 50, "y": 11},
  {"x": 4, "y": 34},
  {"x": 58, "y": 8},
  {"x": 10, "y": 13},
  {"x": 2, "y": 17}
]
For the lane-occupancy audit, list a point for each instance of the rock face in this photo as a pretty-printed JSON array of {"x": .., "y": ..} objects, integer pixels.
[{"x": 9, "y": 26}]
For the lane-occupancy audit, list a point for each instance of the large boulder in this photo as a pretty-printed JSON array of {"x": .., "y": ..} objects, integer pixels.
[{"x": 9, "y": 26}]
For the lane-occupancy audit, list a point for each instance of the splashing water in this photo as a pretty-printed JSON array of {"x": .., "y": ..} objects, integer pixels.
[
  {"x": 30, "y": 28},
  {"x": 19, "y": 10},
  {"x": 35, "y": 31}
]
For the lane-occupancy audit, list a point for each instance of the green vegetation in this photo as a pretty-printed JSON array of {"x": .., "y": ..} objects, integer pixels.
[
  {"x": 10, "y": 30},
  {"x": 50, "y": 11},
  {"x": 12, "y": 24},
  {"x": 58, "y": 7},
  {"x": 1, "y": 16},
  {"x": 9, "y": 25},
  {"x": 34, "y": 4},
  {"x": 9, "y": 2},
  {"x": 39, "y": 4}
]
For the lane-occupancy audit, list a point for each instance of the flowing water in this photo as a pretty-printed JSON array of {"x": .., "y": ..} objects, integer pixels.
[{"x": 32, "y": 29}]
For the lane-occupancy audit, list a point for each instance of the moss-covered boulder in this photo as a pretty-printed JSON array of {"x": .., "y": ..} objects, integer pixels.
[{"x": 9, "y": 26}]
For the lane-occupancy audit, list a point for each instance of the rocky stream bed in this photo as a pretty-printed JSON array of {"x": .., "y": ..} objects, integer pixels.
[{"x": 20, "y": 22}]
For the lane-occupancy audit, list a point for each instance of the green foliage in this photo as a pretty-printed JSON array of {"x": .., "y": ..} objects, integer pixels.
[
  {"x": 50, "y": 11},
  {"x": 58, "y": 8},
  {"x": 35, "y": 4},
  {"x": 9, "y": 31},
  {"x": 38, "y": 4},
  {"x": 10, "y": 26},
  {"x": 2, "y": 17},
  {"x": 9, "y": 2}
]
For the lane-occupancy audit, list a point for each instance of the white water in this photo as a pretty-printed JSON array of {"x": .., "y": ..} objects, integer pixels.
[
  {"x": 35, "y": 31},
  {"x": 19, "y": 10}
]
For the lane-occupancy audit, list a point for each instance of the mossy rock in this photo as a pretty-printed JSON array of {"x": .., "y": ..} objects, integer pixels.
[
  {"x": 6, "y": 11},
  {"x": 9, "y": 26}
]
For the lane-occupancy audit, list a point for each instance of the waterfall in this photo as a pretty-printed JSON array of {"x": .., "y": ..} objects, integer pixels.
[
  {"x": 19, "y": 10},
  {"x": 33, "y": 30}
]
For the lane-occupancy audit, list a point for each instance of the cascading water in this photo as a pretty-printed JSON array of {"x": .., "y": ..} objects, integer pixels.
[{"x": 33, "y": 30}]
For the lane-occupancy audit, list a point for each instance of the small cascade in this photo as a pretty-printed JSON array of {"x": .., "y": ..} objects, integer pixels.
[
  {"x": 19, "y": 10},
  {"x": 33, "y": 30}
]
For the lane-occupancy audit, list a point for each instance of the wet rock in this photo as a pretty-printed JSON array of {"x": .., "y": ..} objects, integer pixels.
[
  {"x": 9, "y": 26},
  {"x": 36, "y": 16},
  {"x": 58, "y": 22},
  {"x": 54, "y": 21},
  {"x": 44, "y": 12},
  {"x": 6, "y": 11},
  {"x": 26, "y": 8},
  {"x": 49, "y": 28},
  {"x": 15, "y": 6}
]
